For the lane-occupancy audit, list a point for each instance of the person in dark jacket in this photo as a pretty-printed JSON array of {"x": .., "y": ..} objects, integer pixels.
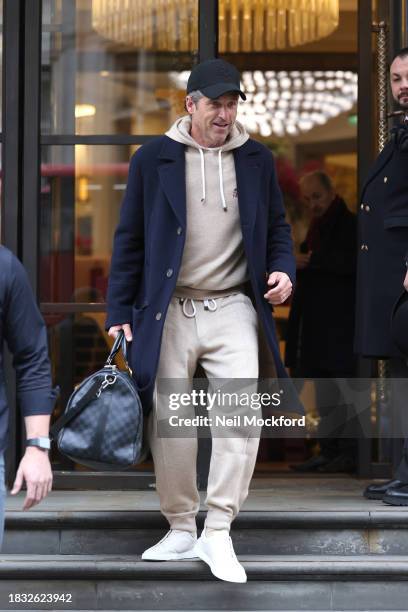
[
  {"x": 202, "y": 218},
  {"x": 382, "y": 274},
  {"x": 319, "y": 343},
  {"x": 23, "y": 330}
]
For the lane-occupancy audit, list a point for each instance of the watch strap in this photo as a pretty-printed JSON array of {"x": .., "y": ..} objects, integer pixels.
[{"x": 43, "y": 443}]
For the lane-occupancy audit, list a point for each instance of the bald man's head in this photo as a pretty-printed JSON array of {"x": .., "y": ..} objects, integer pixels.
[{"x": 317, "y": 192}]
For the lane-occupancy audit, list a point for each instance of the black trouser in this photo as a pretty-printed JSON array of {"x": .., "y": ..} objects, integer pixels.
[
  {"x": 398, "y": 369},
  {"x": 338, "y": 427}
]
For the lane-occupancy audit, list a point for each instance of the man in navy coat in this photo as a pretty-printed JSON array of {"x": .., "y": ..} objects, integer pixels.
[
  {"x": 23, "y": 330},
  {"x": 382, "y": 275},
  {"x": 202, "y": 225}
]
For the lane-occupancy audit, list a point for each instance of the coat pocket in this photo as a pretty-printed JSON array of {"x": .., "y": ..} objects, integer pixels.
[
  {"x": 137, "y": 316},
  {"x": 395, "y": 221},
  {"x": 136, "y": 308}
]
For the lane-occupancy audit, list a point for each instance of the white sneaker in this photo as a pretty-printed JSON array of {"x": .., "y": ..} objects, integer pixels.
[
  {"x": 217, "y": 551},
  {"x": 175, "y": 545}
]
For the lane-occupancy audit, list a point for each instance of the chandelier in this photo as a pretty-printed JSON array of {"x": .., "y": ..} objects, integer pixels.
[
  {"x": 244, "y": 25},
  {"x": 265, "y": 25},
  {"x": 288, "y": 103}
]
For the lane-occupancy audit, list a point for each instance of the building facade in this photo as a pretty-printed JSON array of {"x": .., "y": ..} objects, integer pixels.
[{"x": 86, "y": 82}]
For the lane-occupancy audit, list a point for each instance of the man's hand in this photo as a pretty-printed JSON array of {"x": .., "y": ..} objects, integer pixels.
[
  {"x": 406, "y": 281},
  {"x": 114, "y": 330},
  {"x": 282, "y": 288},
  {"x": 303, "y": 260},
  {"x": 35, "y": 469}
]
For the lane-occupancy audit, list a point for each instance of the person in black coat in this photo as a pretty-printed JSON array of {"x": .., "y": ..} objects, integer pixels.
[
  {"x": 382, "y": 275},
  {"x": 319, "y": 341},
  {"x": 23, "y": 329}
]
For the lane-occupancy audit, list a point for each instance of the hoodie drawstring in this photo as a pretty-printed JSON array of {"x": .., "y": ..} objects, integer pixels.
[
  {"x": 202, "y": 175},
  {"x": 224, "y": 204}
]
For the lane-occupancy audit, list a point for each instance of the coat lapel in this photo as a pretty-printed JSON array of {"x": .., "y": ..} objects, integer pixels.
[
  {"x": 172, "y": 177},
  {"x": 248, "y": 172}
]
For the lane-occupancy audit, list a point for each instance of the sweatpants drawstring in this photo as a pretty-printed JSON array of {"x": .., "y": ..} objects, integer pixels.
[
  {"x": 183, "y": 302},
  {"x": 209, "y": 304}
]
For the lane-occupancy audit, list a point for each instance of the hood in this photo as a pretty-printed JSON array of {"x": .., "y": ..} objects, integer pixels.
[{"x": 180, "y": 132}]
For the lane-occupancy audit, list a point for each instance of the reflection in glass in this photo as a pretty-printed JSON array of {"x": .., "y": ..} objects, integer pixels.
[
  {"x": 81, "y": 193},
  {"x": 92, "y": 84}
]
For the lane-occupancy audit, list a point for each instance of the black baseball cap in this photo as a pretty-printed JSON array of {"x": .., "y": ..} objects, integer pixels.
[{"x": 214, "y": 78}]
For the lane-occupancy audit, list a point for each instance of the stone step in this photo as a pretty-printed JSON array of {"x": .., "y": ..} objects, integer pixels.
[
  {"x": 383, "y": 532},
  {"x": 112, "y": 582}
]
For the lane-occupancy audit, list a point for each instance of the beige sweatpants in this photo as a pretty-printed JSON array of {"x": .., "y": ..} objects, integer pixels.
[{"x": 225, "y": 343}]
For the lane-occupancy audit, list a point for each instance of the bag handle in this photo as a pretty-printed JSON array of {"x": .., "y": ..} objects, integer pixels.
[{"x": 120, "y": 343}]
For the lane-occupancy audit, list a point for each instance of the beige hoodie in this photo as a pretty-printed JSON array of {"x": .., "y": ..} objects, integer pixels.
[{"x": 213, "y": 255}]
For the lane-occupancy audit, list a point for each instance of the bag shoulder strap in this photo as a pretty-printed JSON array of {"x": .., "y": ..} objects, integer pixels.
[
  {"x": 120, "y": 343},
  {"x": 70, "y": 414}
]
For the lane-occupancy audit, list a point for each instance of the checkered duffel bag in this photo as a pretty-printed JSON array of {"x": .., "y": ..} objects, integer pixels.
[{"x": 102, "y": 426}]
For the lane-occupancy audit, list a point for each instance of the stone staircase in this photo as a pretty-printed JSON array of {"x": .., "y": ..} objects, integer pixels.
[{"x": 295, "y": 560}]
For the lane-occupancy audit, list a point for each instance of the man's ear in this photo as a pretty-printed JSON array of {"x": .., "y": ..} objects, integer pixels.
[{"x": 189, "y": 104}]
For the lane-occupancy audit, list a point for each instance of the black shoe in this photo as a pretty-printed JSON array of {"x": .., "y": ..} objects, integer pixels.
[
  {"x": 311, "y": 465},
  {"x": 342, "y": 463},
  {"x": 397, "y": 496},
  {"x": 377, "y": 491}
]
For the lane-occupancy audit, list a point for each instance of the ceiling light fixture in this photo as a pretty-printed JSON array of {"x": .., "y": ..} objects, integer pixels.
[{"x": 244, "y": 25}]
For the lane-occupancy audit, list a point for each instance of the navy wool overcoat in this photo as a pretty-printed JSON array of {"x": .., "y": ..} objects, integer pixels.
[
  {"x": 383, "y": 243},
  {"x": 149, "y": 242}
]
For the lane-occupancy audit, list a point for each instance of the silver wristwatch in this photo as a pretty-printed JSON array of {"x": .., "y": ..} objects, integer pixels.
[{"x": 43, "y": 443}]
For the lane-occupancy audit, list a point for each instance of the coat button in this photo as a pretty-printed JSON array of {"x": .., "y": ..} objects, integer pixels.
[
  {"x": 158, "y": 316},
  {"x": 179, "y": 230},
  {"x": 364, "y": 247},
  {"x": 169, "y": 273},
  {"x": 385, "y": 179},
  {"x": 367, "y": 208},
  {"x": 362, "y": 206}
]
